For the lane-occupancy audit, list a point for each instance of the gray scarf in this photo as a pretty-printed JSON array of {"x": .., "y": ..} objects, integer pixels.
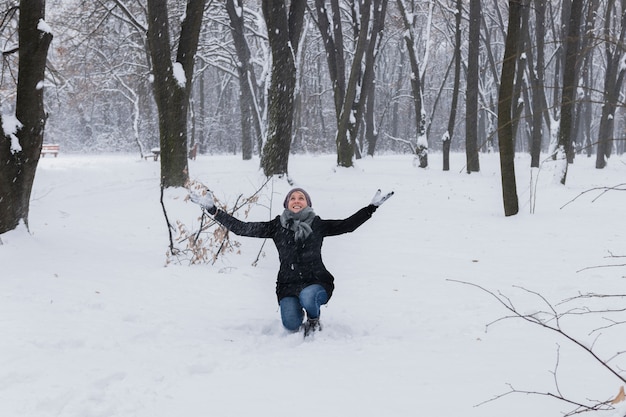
[{"x": 299, "y": 222}]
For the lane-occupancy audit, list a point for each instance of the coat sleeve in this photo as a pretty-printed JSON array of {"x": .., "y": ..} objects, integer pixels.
[
  {"x": 241, "y": 228},
  {"x": 350, "y": 224}
]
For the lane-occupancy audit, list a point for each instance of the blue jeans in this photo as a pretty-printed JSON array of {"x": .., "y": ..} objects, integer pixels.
[{"x": 311, "y": 298}]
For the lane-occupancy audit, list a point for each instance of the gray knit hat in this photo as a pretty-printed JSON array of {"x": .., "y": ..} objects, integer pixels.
[{"x": 306, "y": 195}]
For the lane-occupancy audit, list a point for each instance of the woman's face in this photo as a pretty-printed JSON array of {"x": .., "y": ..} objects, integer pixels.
[{"x": 297, "y": 201}]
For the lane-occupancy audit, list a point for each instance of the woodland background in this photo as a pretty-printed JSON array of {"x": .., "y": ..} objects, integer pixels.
[
  {"x": 274, "y": 78},
  {"x": 99, "y": 94}
]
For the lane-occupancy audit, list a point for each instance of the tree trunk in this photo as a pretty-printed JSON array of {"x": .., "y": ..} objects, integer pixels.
[
  {"x": 250, "y": 118},
  {"x": 421, "y": 148},
  {"x": 20, "y": 154},
  {"x": 613, "y": 80},
  {"x": 368, "y": 96},
  {"x": 520, "y": 88},
  {"x": 346, "y": 132},
  {"x": 568, "y": 97},
  {"x": 505, "y": 109},
  {"x": 471, "y": 113},
  {"x": 584, "y": 109},
  {"x": 537, "y": 84},
  {"x": 170, "y": 91},
  {"x": 456, "y": 86},
  {"x": 283, "y": 33}
]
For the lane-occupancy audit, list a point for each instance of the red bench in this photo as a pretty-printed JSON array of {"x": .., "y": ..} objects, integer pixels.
[{"x": 52, "y": 148}]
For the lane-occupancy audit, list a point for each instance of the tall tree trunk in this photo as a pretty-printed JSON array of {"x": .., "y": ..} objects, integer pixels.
[
  {"x": 471, "y": 113},
  {"x": 537, "y": 83},
  {"x": 568, "y": 97},
  {"x": 283, "y": 33},
  {"x": 368, "y": 96},
  {"x": 520, "y": 87},
  {"x": 250, "y": 115},
  {"x": 346, "y": 132},
  {"x": 365, "y": 100},
  {"x": 505, "y": 109},
  {"x": 421, "y": 148},
  {"x": 332, "y": 37},
  {"x": 447, "y": 140},
  {"x": 20, "y": 153},
  {"x": 613, "y": 80},
  {"x": 170, "y": 91},
  {"x": 584, "y": 109}
]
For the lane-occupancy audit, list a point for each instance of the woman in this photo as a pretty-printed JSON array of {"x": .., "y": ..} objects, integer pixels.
[{"x": 303, "y": 281}]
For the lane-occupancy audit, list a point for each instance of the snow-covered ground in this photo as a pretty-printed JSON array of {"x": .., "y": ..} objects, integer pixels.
[{"x": 92, "y": 322}]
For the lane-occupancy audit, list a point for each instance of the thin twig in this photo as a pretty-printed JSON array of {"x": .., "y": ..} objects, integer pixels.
[{"x": 604, "y": 191}]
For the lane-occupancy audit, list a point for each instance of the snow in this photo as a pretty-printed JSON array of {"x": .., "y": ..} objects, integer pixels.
[
  {"x": 179, "y": 74},
  {"x": 10, "y": 126},
  {"x": 43, "y": 26},
  {"x": 94, "y": 324}
]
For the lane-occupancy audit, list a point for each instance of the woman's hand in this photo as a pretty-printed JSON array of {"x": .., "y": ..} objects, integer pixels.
[
  {"x": 379, "y": 198},
  {"x": 206, "y": 201}
]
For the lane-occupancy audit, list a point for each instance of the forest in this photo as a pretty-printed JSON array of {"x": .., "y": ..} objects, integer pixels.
[
  {"x": 99, "y": 98},
  {"x": 274, "y": 78}
]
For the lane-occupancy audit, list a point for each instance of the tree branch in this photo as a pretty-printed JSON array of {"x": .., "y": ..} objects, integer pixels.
[{"x": 534, "y": 318}]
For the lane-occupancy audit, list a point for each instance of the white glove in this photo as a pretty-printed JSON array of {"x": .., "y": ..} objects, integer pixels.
[
  {"x": 206, "y": 201},
  {"x": 379, "y": 199}
]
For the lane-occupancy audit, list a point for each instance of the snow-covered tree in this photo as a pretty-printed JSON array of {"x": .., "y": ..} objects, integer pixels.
[
  {"x": 172, "y": 84},
  {"x": 23, "y": 132},
  {"x": 284, "y": 26}
]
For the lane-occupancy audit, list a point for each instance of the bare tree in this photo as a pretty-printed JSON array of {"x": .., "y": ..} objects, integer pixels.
[
  {"x": 251, "y": 130},
  {"x": 584, "y": 105},
  {"x": 417, "y": 85},
  {"x": 505, "y": 109},
  {"x": 350, "y": 94},
  {"x": 367, "y": 104},
  {"x": 21, "y": 145},
  {"x": 570, "y": 84},
  {"x": 447, "y": 139},
  {"x": 614, "y": 38},
  {"x": 537, "y": 79},
  {"x": 471, "y": 107}
]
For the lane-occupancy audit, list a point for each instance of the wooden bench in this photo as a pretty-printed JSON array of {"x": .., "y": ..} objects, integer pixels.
[
  {"x": 154, "y": 154},
  {"x": 52, "y": 148}
]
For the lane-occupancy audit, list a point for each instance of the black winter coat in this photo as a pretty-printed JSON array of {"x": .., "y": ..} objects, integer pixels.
[{"x": 300, "y": 262}]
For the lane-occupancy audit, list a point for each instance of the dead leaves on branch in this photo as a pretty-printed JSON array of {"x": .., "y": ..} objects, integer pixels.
[
  {"x": 206, "y": 243},
  {"x": 621, "y": 396}
]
